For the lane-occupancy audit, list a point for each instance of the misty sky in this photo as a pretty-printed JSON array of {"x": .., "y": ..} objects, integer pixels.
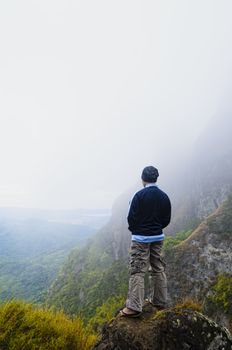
[{"x": 93, "y": 91}]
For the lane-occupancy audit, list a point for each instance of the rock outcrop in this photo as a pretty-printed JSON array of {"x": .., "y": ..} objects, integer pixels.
[{"x": 171, "y": 329}]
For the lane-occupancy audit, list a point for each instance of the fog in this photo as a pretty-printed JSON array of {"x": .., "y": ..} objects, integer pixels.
[{"x": 93, "y": 91}]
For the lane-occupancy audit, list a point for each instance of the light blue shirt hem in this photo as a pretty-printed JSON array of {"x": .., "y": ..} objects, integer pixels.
[{"x": 147, "y": 239}]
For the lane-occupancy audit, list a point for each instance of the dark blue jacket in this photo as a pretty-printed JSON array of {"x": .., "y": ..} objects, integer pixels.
[{"x": 149, "y": 211}]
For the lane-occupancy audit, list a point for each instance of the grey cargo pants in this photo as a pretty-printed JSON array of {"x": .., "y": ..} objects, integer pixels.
[{"x": 141, "y": 255}]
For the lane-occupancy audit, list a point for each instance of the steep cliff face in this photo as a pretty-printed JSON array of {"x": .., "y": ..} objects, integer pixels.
[
  {"x": 194, "y": 265},
  {"x": 205, "y": 180},
  {"x": 173, "y": 329}
]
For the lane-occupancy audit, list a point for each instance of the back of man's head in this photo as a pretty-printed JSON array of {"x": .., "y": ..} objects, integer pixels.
[{"x": 150, "y": 174}]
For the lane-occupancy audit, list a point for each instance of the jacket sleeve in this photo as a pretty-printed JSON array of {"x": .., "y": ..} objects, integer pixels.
[
  {"x": 132, "y": 216},
  {"x": 166, "y": 212}
]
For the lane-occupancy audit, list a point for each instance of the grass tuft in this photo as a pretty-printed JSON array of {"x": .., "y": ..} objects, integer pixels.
[{"x": 26, "y": 326}]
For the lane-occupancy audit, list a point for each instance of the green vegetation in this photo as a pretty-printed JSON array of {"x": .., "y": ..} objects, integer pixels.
[
  {"x": 29, "y": 278},
  {"x": 97, "y": 282},
  {"x": 25, "y": 326},
  {"x": 83, "y": 283},
  {"x": 171, "y": 241},
  {"x": 32, "y": 252},
  {"x": 222, "y": 294},
  {"x": 91, "y": 279},
  {"x": 106, "y": 311},
  {"x": 187, "y": 303}
]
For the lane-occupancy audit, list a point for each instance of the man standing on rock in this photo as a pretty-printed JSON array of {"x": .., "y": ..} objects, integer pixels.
[{"x": 149, "y": 213}]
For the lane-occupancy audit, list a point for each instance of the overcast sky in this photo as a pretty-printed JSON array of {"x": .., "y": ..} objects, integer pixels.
[{"x": 93, "y": 91}]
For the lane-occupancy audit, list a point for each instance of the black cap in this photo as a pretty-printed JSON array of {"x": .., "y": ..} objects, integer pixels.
[{"x": 150, "y": 174}]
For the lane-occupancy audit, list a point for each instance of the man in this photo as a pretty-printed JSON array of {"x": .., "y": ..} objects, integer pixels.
[{"x": 149, "y": 213}]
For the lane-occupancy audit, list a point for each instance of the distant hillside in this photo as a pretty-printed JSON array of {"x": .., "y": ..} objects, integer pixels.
[
  {"x": 33, "y": 237},
  {"x": 97, "y": 271},
  {"x": 95, "y": 218},
  {"x": 92, "y": 274},
  {"x": 33, "y": 249}
]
